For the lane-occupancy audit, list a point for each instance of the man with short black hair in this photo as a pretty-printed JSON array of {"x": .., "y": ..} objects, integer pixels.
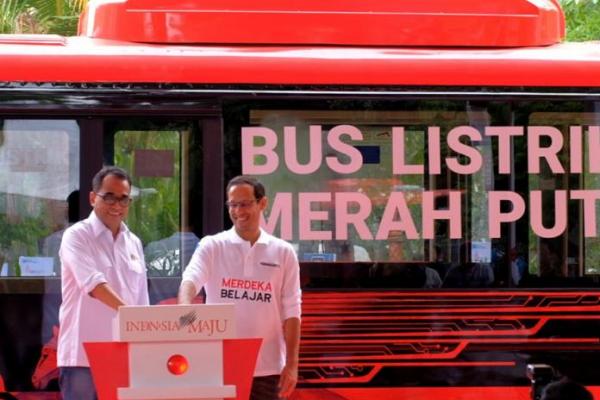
[
  {"x": 102, "y": 268},
  {"x": 260, "y": 274}
]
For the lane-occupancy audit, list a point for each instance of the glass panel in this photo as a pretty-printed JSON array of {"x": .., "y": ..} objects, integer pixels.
[
  {"x": 159, "y": 158},
  {"x": 573, "y": 253},
  {"x": 373, "y": 182},
  {"x": 457, "y": 194},
  {"x": 39, "y": 182},
  {"x": 39, "y": 195}
]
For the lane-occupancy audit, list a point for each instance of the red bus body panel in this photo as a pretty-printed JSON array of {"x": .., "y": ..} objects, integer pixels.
[
  {"x": 364, "y": 46},
  {"x": 402, "y": 42},
  {"x": 92, "y": 60},
  {"x": 503, "y": 23}
]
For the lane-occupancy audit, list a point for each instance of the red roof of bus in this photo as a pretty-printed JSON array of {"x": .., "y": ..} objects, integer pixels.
[
  {"x": 330, "y": 22},
  {"x": 82, "y": 59},
  {"x": 314, "y": 42}
]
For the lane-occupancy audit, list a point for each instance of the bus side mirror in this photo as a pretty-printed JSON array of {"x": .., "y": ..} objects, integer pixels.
[{"x": 540, "y": 375}]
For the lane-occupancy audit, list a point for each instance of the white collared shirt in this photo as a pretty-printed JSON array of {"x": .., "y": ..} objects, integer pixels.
[
  {"x": 263, "y": 282},
  {"x": 90, "y": 256}
]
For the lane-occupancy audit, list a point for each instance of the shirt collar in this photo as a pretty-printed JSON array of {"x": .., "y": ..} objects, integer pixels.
[
  {"x": 99, "y": 228},
  {"x": 263, "y": 239}
]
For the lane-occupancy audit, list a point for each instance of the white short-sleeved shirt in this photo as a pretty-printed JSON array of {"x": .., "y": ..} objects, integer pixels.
[
  {"x": 90, "y": 256},
  {"x": 262, "y": 280}
]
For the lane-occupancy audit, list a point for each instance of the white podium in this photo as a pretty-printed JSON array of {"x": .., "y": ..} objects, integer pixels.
[{"x": 174, "y": 352}]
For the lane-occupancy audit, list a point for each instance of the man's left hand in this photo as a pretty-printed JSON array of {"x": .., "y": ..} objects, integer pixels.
[{"x": 288, "y": 380}]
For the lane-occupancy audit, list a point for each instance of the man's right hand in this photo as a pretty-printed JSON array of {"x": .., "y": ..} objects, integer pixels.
[
  {"x": 187, "y": 292},
  {"x": 108, "y": 296}
]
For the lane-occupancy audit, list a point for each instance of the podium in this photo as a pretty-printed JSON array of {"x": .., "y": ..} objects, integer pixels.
[{"x": 174, "y": 352}]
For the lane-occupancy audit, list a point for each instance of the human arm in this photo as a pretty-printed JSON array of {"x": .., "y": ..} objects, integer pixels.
[
  {"x": 290, "y": 311},
  {"x": 106, "y": 295},
  {"x": 86, "y": 264},
  {"x": 143, "y": 297},
  {"x": 195, "y": 274},
  {"x": 136, "y": 279},
  {"x": 289, "y": 374},
  {"x": 187, "y": 292}
]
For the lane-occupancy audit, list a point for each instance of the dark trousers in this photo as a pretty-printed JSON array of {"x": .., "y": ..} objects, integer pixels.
[
  {"x": 265, "y": 388},
  {"x": 76, "y": 383}
]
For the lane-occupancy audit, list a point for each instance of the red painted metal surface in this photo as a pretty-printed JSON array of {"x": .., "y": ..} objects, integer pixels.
[
  {"x": 477, "y": 23},
  {"x": 352, "y": 338},
  {"x": 91, "y": 60},
  {"x": 409, "y": 393},
  {"x": 238, "y": 370},
  {"x": 414, "y": 393},
  {"x": 109, "y": 362},
  {"x": 309, "y": 43}
]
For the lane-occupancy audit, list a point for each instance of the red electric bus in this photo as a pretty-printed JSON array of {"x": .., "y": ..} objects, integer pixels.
[{"x": 435, "y": 165}]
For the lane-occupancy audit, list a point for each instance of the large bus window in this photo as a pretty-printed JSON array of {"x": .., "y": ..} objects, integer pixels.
[
  {"x": 39, "y": 197},
  {"x": 163, "y": 159},
  {"x": 322, "y": 240},
  {"x": 572, "y": 253},
  {"x": 417, "y": 208},
  {"x": 369, "y": 219},
  {"x": 39, "y": 186}
]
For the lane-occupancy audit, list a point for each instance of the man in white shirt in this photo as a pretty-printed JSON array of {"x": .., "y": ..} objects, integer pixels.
[
  {"x": 102, "y": 269},
  {"x": 260, "y": 274}
]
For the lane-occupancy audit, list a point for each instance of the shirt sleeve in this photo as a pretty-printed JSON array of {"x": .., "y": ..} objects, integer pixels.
[
  {"x": 290, "y": 290},
  {"x": 76, "y": 258},
  {"x": 144, "y": 297},
  {"x": 198, "y": 269}
]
